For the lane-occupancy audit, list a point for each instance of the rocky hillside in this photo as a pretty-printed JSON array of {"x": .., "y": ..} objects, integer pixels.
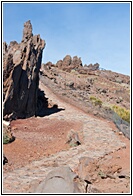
[
  {"x": 69, "y": 74},
  {"x": 100, "y": 92}
]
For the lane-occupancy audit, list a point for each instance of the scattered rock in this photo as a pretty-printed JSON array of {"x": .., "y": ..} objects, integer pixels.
[
  {"x": 124, "y": 174},
  {"x": 92, "y": 189},
  {"x": 86, "y": 169},
  {"x": 119, "y": 80},
  {"x": 70, "y": 84},
  {"x": 125, "y": 129},
  {"x": 119, "y": 100},
  {"x": 73, "y": 138}
]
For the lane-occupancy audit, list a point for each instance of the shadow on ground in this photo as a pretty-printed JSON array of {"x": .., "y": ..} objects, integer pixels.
[
  {"x": 43, "y": 108},
  {"x": 48, "y": 111}
]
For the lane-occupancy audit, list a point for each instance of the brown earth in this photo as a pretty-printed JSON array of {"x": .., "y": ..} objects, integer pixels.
[
  {"x": 36, "y": 138},
  {"x": 40, "y": 137}
]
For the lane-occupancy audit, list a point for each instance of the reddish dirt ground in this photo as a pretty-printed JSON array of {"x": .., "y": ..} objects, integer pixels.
[
  {"x": 39, "y": 137},
  {"x": 36, "y": 138},
  {"x": 119, "y": 159}
]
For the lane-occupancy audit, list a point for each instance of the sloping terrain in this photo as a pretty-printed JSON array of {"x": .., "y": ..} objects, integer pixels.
[
  {"x": 64, "y": 121},
  {"x": 103, "y": 93},
  {"x": 110, "y": 87},
  {"x": 41, "y": 145}
]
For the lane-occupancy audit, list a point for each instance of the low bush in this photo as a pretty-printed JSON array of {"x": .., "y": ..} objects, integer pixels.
[
  {"x": 6, "y": 139},
  {"x": 122, "y": 112},
  {"x": 7, "y": 135},
  {"x": 95, "y": 101}
]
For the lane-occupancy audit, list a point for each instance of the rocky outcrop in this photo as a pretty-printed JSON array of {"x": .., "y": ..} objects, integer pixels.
[
  {"x": 93, "y": 67},
  {"x": 22, "y": 63},
  {"x": 68, "y": 63}
]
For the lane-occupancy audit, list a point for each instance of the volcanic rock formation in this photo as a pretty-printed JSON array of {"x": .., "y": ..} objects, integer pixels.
[
  {"x": 21, "y": 67},
  {"x": 73, "y": 63},
  {"x": 69, "y": 63}
]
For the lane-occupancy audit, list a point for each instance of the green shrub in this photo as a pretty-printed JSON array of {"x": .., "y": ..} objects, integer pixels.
[
  {"x": 6, "y": 139},
  {"x": 7, "y": 135},
  {"x": 122, "y": 112},
  {"x": 102, "y": 174},
  {"x": 95, "y": 101}
]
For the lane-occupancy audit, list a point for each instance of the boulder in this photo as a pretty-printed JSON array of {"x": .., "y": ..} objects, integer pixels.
[
  {"x": 60, "y": 180},
  {"x": 73, "y": 138},
  {"x": 22, "y": 63}
]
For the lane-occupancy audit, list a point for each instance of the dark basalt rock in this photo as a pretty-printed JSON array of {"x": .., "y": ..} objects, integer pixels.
[{"x": 22, "y": 63}]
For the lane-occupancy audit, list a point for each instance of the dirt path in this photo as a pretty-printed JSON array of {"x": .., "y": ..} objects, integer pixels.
[{"x": 41, "y": 145}]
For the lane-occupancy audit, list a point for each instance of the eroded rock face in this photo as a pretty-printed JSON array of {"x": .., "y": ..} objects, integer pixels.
[{"x": 21, "y": 67}]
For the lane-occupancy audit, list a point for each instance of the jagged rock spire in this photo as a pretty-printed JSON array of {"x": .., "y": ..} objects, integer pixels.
[
  {"x": 21, "y": 67},
  {"x": 27, "y": 31}
]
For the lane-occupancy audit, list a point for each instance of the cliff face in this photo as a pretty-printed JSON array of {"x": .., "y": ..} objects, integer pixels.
[{"x": 21, "y": 65}]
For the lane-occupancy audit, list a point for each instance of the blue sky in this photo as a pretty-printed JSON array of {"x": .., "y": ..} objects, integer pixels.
[{"x": 96, "y": 32}]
